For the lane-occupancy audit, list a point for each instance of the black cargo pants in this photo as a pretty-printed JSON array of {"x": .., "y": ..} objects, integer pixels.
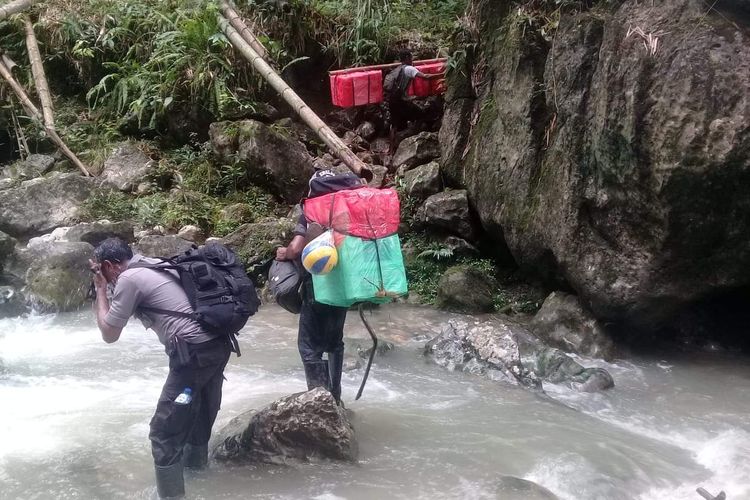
[
  {"x": 321, "y": 329},
  {"x": 174, "y": 425}
]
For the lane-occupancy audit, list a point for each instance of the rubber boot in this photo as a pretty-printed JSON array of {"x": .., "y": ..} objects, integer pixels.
[
  {"x": 335, "y": 367},
  {"x": 316, "y": 373},
  {"x": 169, "y": 481},
  {"x": 195, "y": 456}
]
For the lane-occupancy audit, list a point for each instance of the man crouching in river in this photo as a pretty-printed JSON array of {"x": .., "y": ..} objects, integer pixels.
[{"x": 190, "y": 399}]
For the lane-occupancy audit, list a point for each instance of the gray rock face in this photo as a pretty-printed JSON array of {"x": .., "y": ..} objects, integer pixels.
[
  {"x": 155, "y": 245},
  {"x": 301, "y": 427},
  {"x": 449, "y": 212},
  {"x": 95, "y": 232},
  {"x": 366, "y": 130},
  {"x": 41, "y": 205},
  {"x": 127, "y": 167},
  {"x": 192, "y": 233},
  {"x": 12, "y": 302},
  {"x": 563, "y": 323},
  {"x": 34, "y": 166},
  {"x": 417, "y": 150},
  {"x": 378, "y": 175},
  {"x": 424, "y": 181},
  {"x": 513, "y": 488},
  {"x": 621, "y": 169},
  {"x": 7, "y": 244},
  {"x": 466, "y": 290},
  {"x": 258, "y": 240},
  {"x": 58, "y": 276},
  {"x": 272, "y": 159},
  {"x": 502, "y": 349}
]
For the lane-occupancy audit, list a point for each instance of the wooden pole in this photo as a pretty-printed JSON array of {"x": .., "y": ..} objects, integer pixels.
[
  {"x": 37, "y": 70},
  {"x": 336, "y": 145},
  {"x": 34, "y": 112},
  {"x": 15, "y": 7},
  {"x": 236, "y": 21}
]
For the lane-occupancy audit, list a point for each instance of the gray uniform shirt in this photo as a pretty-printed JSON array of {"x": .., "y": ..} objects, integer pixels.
[{"x": 138, "y": 287}]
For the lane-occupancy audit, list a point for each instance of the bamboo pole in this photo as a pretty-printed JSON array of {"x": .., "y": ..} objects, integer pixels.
[
  {"x": 336, "y": 145},
  {"x": 37, "y": 70},
  {"x": 385, "y": 66},
  {"x": 34, "y": 112},
  {"x": 238, "y": 24},
  {"x": 15, "y": 7}
]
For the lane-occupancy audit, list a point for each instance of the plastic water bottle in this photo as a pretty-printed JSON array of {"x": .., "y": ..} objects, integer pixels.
[{"x": 185, "y": 397}]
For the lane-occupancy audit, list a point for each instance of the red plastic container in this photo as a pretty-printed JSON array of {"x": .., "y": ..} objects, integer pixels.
[
  {"x": 422, "y": 88},
  {"x": 357, "y": 89},
  {"x": 366, "y": 212}
]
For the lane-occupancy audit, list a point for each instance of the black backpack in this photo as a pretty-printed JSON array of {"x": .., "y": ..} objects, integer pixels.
[
  {"x": 219, "y": 290},
  {"x": 285, "y": 281},
  {"x": 395, "y": 83}
]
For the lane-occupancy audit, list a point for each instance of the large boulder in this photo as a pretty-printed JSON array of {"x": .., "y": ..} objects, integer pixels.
[
  {"x": 7, "y": 244},
  {"x": 448, "y": 212},
  {"x": 127, "y": 167},
  {"x": 271, "y": 158},
  {"x": 58, "y": 277},
  {"x": 515, "y": 488},
  {"x": 467, "y": 290},
  {"x": 502, "y": 349},
  {"x": 621, "y": 166},
  {"x": 417, "y": 150},
  {"x": 301, "y": 427},
  {"x": 12, "y": 302},
  {"x": 156, "y": 245},
  {"x": 563, "y": 323},
  {"x": 41, "y": 205},
  {"x": 94, "y": 233},
  {"x": 423, "y": 181},
  {"x": 259, "y": 240},
  {"x": 35, "y": 165}
]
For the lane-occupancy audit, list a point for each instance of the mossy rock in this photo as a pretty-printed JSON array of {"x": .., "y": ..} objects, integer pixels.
[{"x": 259, "y": 240}]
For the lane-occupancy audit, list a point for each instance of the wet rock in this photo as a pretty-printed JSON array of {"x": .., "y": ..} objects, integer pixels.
[
  {"x": 459, "y": 246},
  {"x": 302, "y": 427},
  {"x": 467, "y": 290},
  {"x": 417, "y": 150},
  {"x": 423, "y": 181},
  {"x": 58, "y": 277},
  {"x": 127, "y": 167},
  {"x": 563, "y": 323},
  {"x": 96, "y": 232},
  {"x": 515, "y": 488},
  {"x": 7, "y": 245},
  {"x": 270, "y": 158},
  {"x": 624, "y": 175},
  {"x": 378, "y": 176},
  {"x": 366, "y": 130},
  {"x": 501, "y": 349},
  {"x": 41, "y": 205},
  {"x": 8, "y": 183},
  {"x": 363, "y": 348},
  {"x": 12, "y": 302},
  {"x": 343, "y": 119},
  {"x": 162, "y": 246},
  {"x": 192, "y": 233},
  {"x": 35, "y": 165},
  {"x": 448, "y": 211},
  {"x": 351, "y": 363},
  {"x": 259, "y": 240}
]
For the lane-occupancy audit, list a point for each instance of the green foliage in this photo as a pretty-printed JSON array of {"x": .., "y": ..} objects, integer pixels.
[{"x": 112, "y": 205}]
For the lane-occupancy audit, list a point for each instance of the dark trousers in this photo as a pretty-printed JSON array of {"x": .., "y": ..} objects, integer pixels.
[
  {"x": 175, "y": 425},
  {"x": 321, "y": 329}
]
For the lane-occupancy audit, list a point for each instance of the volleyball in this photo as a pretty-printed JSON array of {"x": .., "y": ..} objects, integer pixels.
[{"x": 320, "y": 256}]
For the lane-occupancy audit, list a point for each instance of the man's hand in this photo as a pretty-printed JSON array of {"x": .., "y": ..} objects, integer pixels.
[
  {"x": 281, "y": 253},
  {"x": 100, "y": 282}
]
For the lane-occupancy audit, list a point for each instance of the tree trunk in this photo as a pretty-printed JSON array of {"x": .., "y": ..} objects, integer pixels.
[
  {"x": 37, "y": 70},
  {"x": 15, "y": 7},
  {"x": 336, "y": 145},
  {"x": 34, "y": 113}
]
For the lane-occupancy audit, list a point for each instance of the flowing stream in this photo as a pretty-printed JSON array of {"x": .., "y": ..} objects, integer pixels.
[{"x": 74, "y": 416}]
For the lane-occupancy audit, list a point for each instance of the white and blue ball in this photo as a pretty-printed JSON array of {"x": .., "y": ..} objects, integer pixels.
[{"x": 319, "y": 257}]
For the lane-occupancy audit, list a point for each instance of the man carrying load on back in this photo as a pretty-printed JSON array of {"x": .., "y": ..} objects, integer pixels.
[
  {"x": 191, "y": 396},
  {"x": 397, "y": 106},
  {"x": 321, "y": 326}
]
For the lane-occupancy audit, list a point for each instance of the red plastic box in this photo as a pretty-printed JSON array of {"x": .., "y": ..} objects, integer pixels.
[
  {"x": 422, "y": 88},
  {"x": 357, "y": 89}
]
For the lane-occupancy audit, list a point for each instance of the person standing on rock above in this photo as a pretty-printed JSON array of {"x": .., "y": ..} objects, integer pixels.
[
  {"x": 191, "y": 396},
  {"x": 321, "y": 326},
  {"x": 397, "y": 106}
]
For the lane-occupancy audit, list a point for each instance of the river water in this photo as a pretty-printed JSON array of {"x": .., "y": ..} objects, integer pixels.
[{"x": 74, "y": 416}]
